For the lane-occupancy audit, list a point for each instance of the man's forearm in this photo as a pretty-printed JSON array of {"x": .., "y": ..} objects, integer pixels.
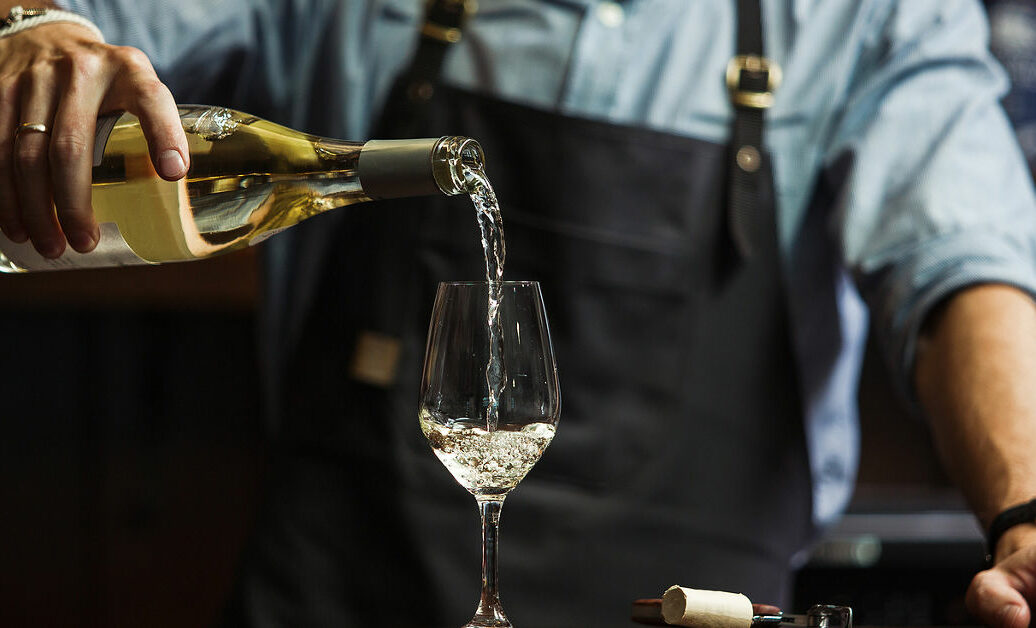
[{"x": 975, "y": 375}]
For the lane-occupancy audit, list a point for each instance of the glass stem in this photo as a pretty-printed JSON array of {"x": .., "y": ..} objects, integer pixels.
[{"x": 489, "y": 612}]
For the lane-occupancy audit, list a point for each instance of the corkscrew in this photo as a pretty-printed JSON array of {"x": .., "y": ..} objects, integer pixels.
[{"x": 818, "y": 616}]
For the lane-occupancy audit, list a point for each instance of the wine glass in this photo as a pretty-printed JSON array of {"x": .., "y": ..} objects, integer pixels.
[{"x": 490, "y": 401}]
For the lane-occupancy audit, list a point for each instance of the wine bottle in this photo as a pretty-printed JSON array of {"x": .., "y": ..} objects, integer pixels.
[{"x": 249, "y": 179}]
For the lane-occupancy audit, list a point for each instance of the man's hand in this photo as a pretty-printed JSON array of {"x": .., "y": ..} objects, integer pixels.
[
  {"x": 60, "y": 76},
  {"x": 1001, "y": 596}
]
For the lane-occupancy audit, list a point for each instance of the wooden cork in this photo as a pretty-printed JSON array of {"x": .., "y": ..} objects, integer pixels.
[{"x": 706, "y": 609}]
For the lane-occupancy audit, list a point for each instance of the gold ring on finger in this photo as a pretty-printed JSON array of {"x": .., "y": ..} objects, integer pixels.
[{"x": 25, "y": 127}]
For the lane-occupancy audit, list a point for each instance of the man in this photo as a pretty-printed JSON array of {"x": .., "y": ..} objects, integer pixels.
[{"x": 895, "y": 175}]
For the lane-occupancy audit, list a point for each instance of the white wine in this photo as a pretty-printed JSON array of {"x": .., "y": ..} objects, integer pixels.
[
  {"x": 486, "y": 462},
  {"x": 248, "y": 179}
]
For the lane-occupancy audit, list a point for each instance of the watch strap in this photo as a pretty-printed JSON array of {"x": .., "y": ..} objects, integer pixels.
[{"x": 1015, "y": 515}]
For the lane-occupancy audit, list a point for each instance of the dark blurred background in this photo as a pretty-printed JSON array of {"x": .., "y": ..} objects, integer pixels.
[{"x": 132, "y": 449}]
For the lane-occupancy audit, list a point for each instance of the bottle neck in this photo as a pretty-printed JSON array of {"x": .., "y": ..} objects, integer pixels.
[
  {"x": 418, "y": 167},
  {"x": 454, "y": 158}
]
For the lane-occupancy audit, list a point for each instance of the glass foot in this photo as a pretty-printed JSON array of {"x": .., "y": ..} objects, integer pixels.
[{"x": 491, "y": 617}]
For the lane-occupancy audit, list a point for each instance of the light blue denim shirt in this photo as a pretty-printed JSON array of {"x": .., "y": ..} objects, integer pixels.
[{"x": 889, "y": 109}]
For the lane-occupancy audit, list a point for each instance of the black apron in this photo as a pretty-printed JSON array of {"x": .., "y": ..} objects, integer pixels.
[{"x": 680, "y": 455}]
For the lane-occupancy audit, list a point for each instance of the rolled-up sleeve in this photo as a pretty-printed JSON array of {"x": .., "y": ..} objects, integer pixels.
[{"x": 938, "y": 196}]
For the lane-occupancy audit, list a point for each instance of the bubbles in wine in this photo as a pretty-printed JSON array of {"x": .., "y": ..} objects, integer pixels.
[{"x": 486, "y": 462}]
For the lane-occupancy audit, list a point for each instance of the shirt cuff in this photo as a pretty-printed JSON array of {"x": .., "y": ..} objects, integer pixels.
[
  {"x": 78, "y": 7},
  {"x": 942, "y": 267}
]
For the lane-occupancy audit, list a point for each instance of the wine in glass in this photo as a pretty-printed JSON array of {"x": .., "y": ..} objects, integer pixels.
[{"x": 490, "y": 401}]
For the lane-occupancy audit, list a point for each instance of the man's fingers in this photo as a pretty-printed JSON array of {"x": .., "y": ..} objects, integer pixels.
[
  {"x": 32, "y": 168},
  {"x": 166, "y": 139},
  {"x": 10, "y": 218},
  {"x": 994, "y": 599},
  {"x": 71, "y": 149},
  {"x": 143, "y": 95}
]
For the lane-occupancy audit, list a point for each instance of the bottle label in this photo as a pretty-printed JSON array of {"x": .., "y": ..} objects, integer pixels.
[{"x": 112, "y": 250}]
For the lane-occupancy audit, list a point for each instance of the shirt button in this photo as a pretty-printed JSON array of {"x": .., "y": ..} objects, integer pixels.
[{"x": 610, "y": 14}]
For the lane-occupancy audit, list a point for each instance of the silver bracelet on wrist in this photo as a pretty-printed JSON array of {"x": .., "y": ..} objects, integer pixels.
[{"x": 21, "y": 19}]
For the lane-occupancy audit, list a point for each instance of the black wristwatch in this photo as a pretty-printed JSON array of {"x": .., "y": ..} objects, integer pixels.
[{"x": 1022, "y": 513}]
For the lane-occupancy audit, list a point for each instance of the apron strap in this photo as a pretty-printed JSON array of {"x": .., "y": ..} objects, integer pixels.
[
  {"x": 751, "y": 81},
  {"x": 406, "y": 107}
]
